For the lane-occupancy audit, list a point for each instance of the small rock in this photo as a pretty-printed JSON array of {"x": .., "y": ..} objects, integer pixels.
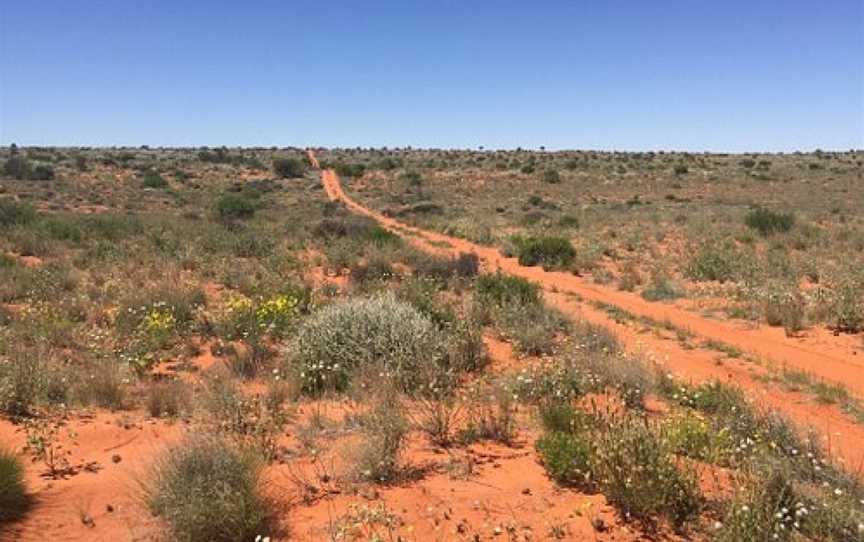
[
  {"x": 599, "y": 524},
  {"x": 526, "y": 491},
  {"x": 88, "y": 521},
  {"x": 116, "y": 458},
  {"x": 109, "y": 508}
]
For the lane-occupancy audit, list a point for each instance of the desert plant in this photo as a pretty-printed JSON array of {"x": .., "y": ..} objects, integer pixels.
[
  {"x": 152, "y": 179},
  {"x": 566, "y": 458},
  {"x": 550, "y": 252},
  {"x": 551, "y": 176},
  {"x": 232, "y": 206},
  {"x": 207, "y": 489},
  {"x": 380, "y": 332},
  {"x": 288, "y": 168},
  {"x": 167, "y": 399},
  {"x": 640, "y": 476},
  {"x": 377, "y": 459},
  {"x": 501, "y": 290},
  {"x": 767, "y": 222},
  {"x": 13, "y": 492}
]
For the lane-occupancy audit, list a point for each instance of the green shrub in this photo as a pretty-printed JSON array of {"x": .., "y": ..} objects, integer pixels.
[
  {"x": 17, "y": 167},
  {"x": 288, "y": 168},
  {"x": 639, "y": 474},
  {"x": 500, "y": 289},
  {"x": 42, "y": 172},
  {"x": 379, "y": 333},
  {"x": 349, "y": 170},
  {"x": 550, "y": 252},
  {"x": 13, "y": 492},
  {"x": 207, "y": 489},
  {"x": 16, "y": 214},
  {"x": 768, "y": 222},
  {"x": 235, "y": 206},
  {"x": 566, "y": 458},
  {"x": 152, "y": 179},
  {"x": 661, "y": 288},
  {"x": 714, "y": 261}
]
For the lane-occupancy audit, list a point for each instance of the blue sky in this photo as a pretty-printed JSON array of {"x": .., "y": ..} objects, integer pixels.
[{"x": 637, "y": 75}]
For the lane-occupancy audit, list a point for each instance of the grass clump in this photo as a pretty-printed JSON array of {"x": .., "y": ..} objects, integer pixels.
[
  {"x": 13, "y": 492},
  {"x": 768, "y": 222},
  {"x": 377, "y": 333},
  {"x": 550, "y": 252},
  {"x": 384, "y": 431},
  {"x": 207, "y": 489}
]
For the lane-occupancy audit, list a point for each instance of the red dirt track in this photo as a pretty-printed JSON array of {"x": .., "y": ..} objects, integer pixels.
[{"x": 824, "y": 360}]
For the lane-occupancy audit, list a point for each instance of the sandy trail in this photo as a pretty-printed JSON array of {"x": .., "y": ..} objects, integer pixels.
[{"x": 843, "y": 437}]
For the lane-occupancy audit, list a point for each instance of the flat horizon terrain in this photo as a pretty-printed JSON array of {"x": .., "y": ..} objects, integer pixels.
[{"x": 427, "y": 345}]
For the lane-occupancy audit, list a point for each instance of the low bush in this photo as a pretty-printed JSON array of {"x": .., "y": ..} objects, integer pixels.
[
  {"x": 550, "y": 252},
  {"x": 500, "y": 290},
  {"x": 288, "y": 168},
  {"x": 768, "y": 222},
  {"x": 207, "y": 489},
  {"x": 13, "y": 213},
  {"x": 566, "y": 458},
  {"x": 377, "y": 459},
  {"x": 152, "y": 179},
  {"x": 380, "y": 333},
  {"x": 232, "y": 206},
  {"x": 640, "y": 476},
  {"x": 551, "y": 176}
]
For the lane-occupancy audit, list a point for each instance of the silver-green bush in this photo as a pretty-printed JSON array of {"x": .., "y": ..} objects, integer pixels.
[{"x": 378, "y": 332}]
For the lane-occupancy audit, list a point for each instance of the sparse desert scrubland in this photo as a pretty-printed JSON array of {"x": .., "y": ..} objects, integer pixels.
[{"x": 204, "y": 344}]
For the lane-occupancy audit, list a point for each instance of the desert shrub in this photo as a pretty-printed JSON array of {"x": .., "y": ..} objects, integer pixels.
[
  {"x": 500, "y": 290},
  {"x": 288, "y": 168},
  {"x": 167, "y": 399},
  {"x": 232, "y": 206},
  {"x": 639, "y": 474},
  {"x": 466, "y": 265},
  {"x": 768, "y": 509},
  {"x": 207, "y": 489},
  {"x": 17, "y": 167},
  {"x": 345, "y": 169},
  {"x": 846, "y": 305},
  {"x": 691, "y": 435},
  {"x": 550, "y": 252},
  {"x": 466, "y": 351},
  {"x": 784, "y": 306},
  {"x": 152, "y": 179},
  {"x": 491, "y": 415},
  {"x": 768, "y": 222},
  {"x": 558, "y": 415},
  {"x": 551, "y": 176},
  {"x": 23, "y": 381},
  {"x": 714, "y": 261},
  {"x": 533, "y": 328},
  {"x": 102, "y": 384},
  {"x": 13, "y": 492},
  {"x": 16, "y": 214},
  {"x": 625, "y": 375},
  {"x": 380, "y": 332},
  {"x": 377, "y": 459},
  {"x": 660, "y": 288},
  {"x": 566, "y": 458},
  {"x": 680, "y": 169}
]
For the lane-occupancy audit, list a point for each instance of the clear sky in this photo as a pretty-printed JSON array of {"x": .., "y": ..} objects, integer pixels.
[{"x": 735, "y": 75}]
